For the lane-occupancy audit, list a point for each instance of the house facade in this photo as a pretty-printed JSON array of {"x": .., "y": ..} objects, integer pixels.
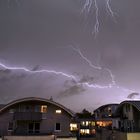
[
  {"x": 35, "y": 116},
  {"x": 105, "y": 116},
  {"x": 84, "y": 126},
  {"x": 129, "y": 113}
]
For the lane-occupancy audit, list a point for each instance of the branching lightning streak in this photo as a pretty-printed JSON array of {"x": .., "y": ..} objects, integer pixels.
[
  {"x": 87, "y": 8},
  {"x": 38, "y": 71},
  {"x": 96, "y": 27},
  {"x": 110, "y": 85},
  {"x": 88, "y": 61},
  {"x": 109, "y": 9},
  {"x": 113, "y": 83},
  {"x": 87, "y": 84},
  {"x": 53, "y": 72}
]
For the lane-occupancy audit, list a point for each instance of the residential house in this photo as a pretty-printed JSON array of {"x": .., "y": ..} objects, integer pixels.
[
  {"x": 35, "y": 116},
  {"x": 129, "y": 113},
  {"x": 105, "y": 116},
  {"x": 83, "y": 125}
]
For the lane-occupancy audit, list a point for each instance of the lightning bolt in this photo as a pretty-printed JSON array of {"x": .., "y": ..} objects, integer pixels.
[
  {"x": 87, "y": 9},
  {"x": 96, "y": 27},
  {"x": 72, "y": 77},
  {"x": 87, "y": 6},
  {"x": 113, "y": 81},
  {"x": 54, "y": 72},
  {"x": 37, "y": 71},
  {"x": 109, "y": 10},
  {"x": 87, "y": 84}
]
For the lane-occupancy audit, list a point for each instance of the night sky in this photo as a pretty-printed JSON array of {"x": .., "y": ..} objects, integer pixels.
[{"x": 43, "y": 34}]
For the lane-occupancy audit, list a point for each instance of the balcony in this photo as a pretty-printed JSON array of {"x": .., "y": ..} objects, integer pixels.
[{"x": 27, "y": 116}]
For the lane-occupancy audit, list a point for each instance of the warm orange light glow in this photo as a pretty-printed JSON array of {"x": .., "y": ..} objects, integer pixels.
[
  {"x": 44, "y": 108},
  {"x": 93, "y": 131},
  {"x": 84, "y": 131},
  {"x": 104, "y": 123},
  {"x": 88, "y": 123},
  {"x": 73, "y": 127}
]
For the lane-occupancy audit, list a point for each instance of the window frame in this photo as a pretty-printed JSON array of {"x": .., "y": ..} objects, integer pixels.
[{"x": 56, "y": 130}]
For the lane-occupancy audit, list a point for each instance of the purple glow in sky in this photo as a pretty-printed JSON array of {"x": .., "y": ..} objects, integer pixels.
[{"x": 53, "y": 46}]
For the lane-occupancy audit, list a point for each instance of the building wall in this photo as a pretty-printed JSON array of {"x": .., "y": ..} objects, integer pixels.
[
  {"x": 5, "y": 118},
  {"x": 52, "y": 118},
  {"x": 133, "y": 136},
  {"x": 47, "y": 124},
  {"x": 116, "y": 135},
  {"x": 130, "y": 120},
  {"x": 105, "y": 111},
  {"x": 52, "y": 137},
  {"x": 109, "y": 135},
  {"x": 128, "y": 111}
]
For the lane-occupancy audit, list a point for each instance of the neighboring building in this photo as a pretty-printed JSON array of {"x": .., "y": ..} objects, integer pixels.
[
  {"x": 35, "y": 116},
  {"x": 105, "y": 116},
  {"x": 83, "y": 125},
  {"x": 87, "y": 128},
  {"x": 129, "y": 113}
]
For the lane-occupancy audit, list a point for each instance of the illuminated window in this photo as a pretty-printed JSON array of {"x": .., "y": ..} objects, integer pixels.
[
  {"x": 44, "y": 108},
  {"x": 104, "y": 123},
  {"x": 93, "y": 131},
  {"x": 73, "y": 127},
  {"x": 58, "y": 111},
  {"x": 109, "y": 109},
  {"x": 83, "y": 123},
  {"x": 87, "y": 123},
  {"x": 92, "y": 123},
  {"x": 84, "y": 131}
]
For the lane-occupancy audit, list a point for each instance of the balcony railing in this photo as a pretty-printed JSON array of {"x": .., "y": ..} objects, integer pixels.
[{"x": 21, "y": 116}]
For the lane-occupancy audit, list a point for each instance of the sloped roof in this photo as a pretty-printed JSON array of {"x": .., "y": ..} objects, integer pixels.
[
  {"x": 36, "y": 99},
  {"x": 106, "y": 105},
  {"x": 136, "y": 104}
]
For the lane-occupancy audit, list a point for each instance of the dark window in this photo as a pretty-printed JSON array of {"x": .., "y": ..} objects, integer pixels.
[
  {"x": 57, "y": 127},
  {"x": 37, "y": 108},
  {"x": 37, "y": 127},
  {"x": 34, "y": 127},
  {"x": 31, "y": 127},
  {"x": 10, "y": 126},
  {"x": 27, "y": 108}
]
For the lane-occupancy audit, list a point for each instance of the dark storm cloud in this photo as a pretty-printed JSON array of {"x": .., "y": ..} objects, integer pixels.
[
  {"x": 72, "y": 87},
  {"x": 5, "y": 71},
  {"x": 87, "y": 78},
  {"x": 132, "y": 95},
  {"x": 71, "y": 91},
  {"x": 8, "y": 76},
  {"x": 37, "y": 67}
]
